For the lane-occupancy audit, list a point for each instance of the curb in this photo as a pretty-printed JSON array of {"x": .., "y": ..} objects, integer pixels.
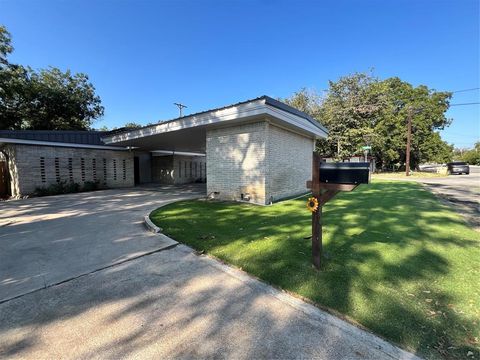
[{"x": 150, "y": 225}]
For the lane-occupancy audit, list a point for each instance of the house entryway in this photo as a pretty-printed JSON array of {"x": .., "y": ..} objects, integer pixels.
[{"x": 4, "y": 179}]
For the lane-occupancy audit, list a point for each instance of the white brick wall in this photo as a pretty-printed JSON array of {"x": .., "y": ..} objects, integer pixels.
[
  {"x": 265, "y": 161},
  {"x": 28, "y": 174},
  {"x": 289, "y": 163},
  {"x": 236, "y": 161}
]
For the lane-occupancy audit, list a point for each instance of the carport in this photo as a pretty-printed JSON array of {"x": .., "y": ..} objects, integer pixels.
[
  {"x": 258, "y": 150},
  {"x": 171, "y": 156}
]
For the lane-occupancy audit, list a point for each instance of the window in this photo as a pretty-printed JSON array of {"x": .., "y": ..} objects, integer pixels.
[
  {"x": 200, "y": 170},
  {"x": 179, "y": 169},
  {"x": 82, "y": 167},
  {"x": 190, "y": 169},
  {"x": 195, "y": 168},
  {"x": 42, "y": 170},
  {"x": 57, "y": 169},
  {"x": 94, "y": 169},
  {"x": 114, "y": 169},
  {"x": 104, "y": 171},
  {"x": 70, "y": 169},
  {"x": 185, "y": 169},
  {"x": 124, "y": 164}
]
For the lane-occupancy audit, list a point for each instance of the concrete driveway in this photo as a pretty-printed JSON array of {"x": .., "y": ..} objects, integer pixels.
[
  {"x": 121, "y": 292},
  {"x": 44, "y": 241}
]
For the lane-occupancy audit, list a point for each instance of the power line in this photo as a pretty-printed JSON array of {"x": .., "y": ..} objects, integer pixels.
[
  {"x": 456, "y": 134},
  {"x": 472, "y": 103},
  {"x": 465, "y": 90}
]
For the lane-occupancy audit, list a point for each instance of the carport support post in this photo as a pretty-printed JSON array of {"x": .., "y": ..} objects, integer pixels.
[{"x": 317, "y": 214}]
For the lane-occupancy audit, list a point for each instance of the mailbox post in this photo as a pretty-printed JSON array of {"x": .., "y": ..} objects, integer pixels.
[
  {"x": 316, "y": 215},
  {"x": 328, "y": 179}
]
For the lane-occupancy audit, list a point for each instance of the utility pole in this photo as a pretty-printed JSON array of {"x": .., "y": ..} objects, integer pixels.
[
  {"x": 180, "y": 108},
  {"x": 409, "y": 140}
]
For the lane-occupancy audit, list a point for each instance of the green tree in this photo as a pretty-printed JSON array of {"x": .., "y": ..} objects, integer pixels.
[
  {"x": 5, "y": 45},
  {"x": 132, "y": 125},
  {"x": 428, "y": 109},
  {"x": 48, "y": 99},
  {"x": 128, "y": 125},
  {"x": 305, "y": 100},
  {"x": 350, "y": 111},
  {"x": 436, "y": 150},
  {"x": 360, "y": 109},
  {"x": 472, "y": 156},
  {"x": 15, "y": 96}
]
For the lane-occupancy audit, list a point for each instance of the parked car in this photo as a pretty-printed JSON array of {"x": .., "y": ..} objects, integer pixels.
[{"x": 458, "y": 167}]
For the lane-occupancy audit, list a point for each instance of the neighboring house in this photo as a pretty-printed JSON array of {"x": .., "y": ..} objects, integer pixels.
[{"x": 258, "y": 150}]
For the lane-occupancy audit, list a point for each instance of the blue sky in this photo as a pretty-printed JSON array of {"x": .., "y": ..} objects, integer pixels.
[{"x": 144, "y": 55}]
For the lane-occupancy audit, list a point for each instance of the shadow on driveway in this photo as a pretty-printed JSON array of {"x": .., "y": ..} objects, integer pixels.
[{"x": 51, "y": 239}]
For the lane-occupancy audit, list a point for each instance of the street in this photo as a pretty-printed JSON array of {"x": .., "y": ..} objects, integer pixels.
[{"x": 461, "y": 191}]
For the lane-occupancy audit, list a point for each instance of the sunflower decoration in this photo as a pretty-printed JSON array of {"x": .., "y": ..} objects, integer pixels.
[{"x": 312, "y": 204}]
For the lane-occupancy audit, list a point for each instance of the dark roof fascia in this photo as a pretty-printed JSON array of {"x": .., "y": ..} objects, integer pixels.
[
  {"x": 86, "y": 137},
  {"x": 282, "y": 106}
]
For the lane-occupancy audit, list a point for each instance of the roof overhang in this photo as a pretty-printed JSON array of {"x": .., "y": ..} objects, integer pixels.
[{"x": 188, "y": 133}]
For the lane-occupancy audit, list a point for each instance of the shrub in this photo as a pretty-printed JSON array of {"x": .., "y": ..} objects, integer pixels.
[
  {"x": 42, "y": 191},
  {"x": 90, "y": 186},
  {"x": 64, "y": 187}
]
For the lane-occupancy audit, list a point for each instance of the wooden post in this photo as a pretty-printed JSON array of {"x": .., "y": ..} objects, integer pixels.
[
  {"x": 323, "y": 192},
  {"x": 317, "y": 238},
  {"x": 316, "y": 215}
]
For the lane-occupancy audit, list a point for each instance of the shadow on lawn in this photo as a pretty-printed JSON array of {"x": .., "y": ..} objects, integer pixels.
[
  {"x": 399, "y": 246},
  {"x": 384, "y": 259}
]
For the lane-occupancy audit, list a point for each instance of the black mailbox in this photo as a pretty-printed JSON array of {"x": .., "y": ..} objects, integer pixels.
[{"x": 345, "y": 173}]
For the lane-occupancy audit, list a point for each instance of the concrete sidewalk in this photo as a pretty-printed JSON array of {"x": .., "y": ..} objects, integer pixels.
[{"x": 175, "y": 304}]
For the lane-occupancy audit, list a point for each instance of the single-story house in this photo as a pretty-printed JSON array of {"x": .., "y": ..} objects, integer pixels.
[{"x": 258, "y": 150}]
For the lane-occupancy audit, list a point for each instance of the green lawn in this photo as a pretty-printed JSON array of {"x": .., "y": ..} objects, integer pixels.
[
  {"x": 413, "y": 174},
  {"x": 397, "y": 261}
]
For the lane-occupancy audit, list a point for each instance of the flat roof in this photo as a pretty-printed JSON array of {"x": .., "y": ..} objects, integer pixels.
[
  {"x": 263, "y": 107},
  {"x": 268, "y": 100}
]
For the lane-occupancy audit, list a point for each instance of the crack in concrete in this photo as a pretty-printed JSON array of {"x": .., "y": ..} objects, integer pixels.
[{"x": 169, "y": 247}]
